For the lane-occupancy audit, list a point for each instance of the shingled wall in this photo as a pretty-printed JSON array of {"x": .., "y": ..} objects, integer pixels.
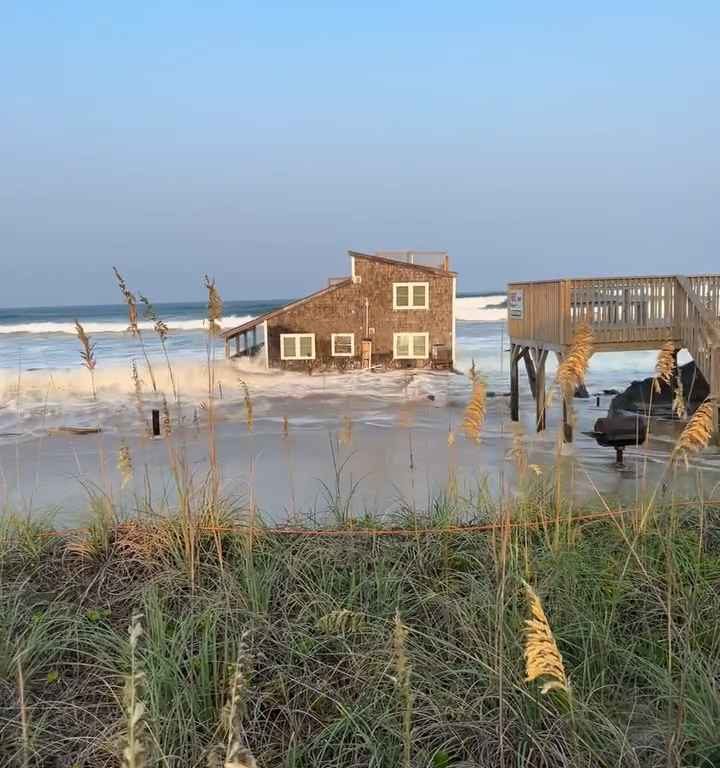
[{"x": 342, "y": 310}]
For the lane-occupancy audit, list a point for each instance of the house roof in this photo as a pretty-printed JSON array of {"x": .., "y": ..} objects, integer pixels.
[
  {"x": 438, "y": 271},
  {"x": 250, "y": 324}
]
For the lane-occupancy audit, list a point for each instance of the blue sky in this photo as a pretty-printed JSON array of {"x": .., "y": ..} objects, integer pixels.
[{"x": 259, "y": 141}]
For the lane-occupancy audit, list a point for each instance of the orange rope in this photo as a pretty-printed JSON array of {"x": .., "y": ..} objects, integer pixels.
[
  {"x": 399, "y": 532},
  {"x": 320, "y": 532}
]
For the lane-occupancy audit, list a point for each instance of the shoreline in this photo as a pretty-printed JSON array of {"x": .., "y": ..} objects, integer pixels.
[{"x": 393, "y": 454}]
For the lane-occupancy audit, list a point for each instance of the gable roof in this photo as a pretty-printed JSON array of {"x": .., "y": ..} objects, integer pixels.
[
  {"x": 250, "y": 324},
  {"x": 438, "y": 271}
]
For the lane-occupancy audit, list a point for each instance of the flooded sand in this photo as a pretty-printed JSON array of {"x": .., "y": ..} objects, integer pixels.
[{"x": 396, "y": 456}]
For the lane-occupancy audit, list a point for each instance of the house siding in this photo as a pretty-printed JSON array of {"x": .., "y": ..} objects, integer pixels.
[{"x": 342, "y": 310}]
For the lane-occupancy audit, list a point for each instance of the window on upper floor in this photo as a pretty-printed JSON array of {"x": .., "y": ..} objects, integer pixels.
[{"x": 411, "y": 295}]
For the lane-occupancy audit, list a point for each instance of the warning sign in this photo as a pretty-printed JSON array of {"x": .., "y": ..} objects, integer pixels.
[{"x": 515, "y": 305}]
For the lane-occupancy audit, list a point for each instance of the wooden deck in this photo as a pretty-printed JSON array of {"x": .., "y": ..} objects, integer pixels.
[{"x": 625, "y": 313}]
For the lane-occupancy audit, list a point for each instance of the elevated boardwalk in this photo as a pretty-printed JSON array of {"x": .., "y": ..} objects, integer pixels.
[{"x": 625, "y": 314}]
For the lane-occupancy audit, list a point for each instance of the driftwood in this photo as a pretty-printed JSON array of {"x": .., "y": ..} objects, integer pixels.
[{"x": 74, "y": 430}]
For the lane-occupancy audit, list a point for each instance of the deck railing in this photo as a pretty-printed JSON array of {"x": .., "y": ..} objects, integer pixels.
[
  {"x": 625, "y": 313},
  {"x": 699, "y": 331},
  {"x": 624, "y": 310},
  {"x": 707, "y": 289},
  {"x": 437, "y": 259}
]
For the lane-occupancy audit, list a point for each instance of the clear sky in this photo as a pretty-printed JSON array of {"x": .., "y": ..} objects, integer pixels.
[{"x": 259, "y": 141}]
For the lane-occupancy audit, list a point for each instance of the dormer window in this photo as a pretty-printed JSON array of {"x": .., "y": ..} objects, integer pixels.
[{"x": 411, "y": 295}]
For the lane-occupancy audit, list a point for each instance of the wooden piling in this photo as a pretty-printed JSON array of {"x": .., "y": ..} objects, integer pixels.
[
  {"x": 514, "y": 383},
  {"x": 540, "y": 357}
]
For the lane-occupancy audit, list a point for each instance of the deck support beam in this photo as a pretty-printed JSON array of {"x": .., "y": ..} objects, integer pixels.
[
  {"x": 567, "y": 422},
  {"x": 530, "y": 369},
  {"x": 540, "y": 357},
  {"x": 515, "y": 352}
]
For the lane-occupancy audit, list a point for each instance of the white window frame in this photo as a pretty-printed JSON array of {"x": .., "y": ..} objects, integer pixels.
[
  {"x": 410, "y": 287},
  {"x": 297, "y": 336},
  {"x": 411, "y": 356},
  {"x": 351, "y": 353}
]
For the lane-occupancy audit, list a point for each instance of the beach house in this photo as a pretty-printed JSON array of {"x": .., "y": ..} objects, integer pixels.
[{"x": 396, "y": 309}]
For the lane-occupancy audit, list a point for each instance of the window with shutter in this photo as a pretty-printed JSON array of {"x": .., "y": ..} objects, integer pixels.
[
  {"x": 411, "y": 295},
  {"x": 418, "y": 345}
]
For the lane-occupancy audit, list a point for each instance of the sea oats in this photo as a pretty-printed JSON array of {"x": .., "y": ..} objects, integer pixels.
[
  {"x": 237, "y": 754},
  {"x": 472, "y": 373},
  {"x": 346, "y": 430},
  {"x": 133, "y": 754},
  {"x": 125, "y": 465},
  {"x": 573, "y": 368},
  {"x": 665, "y": 365},
  {"x": 166, "y": 420},
  {"x": 679, "y": 405},
  {"x": 87, "y": 354},
  {"x": 133, "y": 327},
  {"x": 697, "y": 433},
  {"x": 341, "y": 621},
  {"x": 542, "y": 656},
  {"x": 159, "y": 326},
  {"x": 161, "y": 329},
  {"x": 215, "y": 306},
  {"x": 247, "y": 401},
  {"x": 131, "y": 302},
  {"x": 518, "y": 453},
  {"x": 475, "y": 411},
  {"x": 403, "y": 672}
]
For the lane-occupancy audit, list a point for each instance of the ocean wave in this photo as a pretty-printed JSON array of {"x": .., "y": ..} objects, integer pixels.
[
  {"x": 480, "y": 309},
  {"x": 68, "y": 328}
]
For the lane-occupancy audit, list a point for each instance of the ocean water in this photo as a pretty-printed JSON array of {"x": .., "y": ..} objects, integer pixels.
[
  {"x": 44, "y": 338},
  {"x": 44, "y": 388}
]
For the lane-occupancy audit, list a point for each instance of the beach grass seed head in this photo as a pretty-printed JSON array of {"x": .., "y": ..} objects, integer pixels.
[
  {"x": 543, "y": 660},
  {"x": 476, "y": 411},
  {"x": 697, "y": 433}
]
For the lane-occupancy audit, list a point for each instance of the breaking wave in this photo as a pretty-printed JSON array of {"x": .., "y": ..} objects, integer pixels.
[{"x": 199, "y": 324}]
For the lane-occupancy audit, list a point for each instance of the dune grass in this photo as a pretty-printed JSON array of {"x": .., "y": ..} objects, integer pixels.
[{"x": 366, "y": 650}]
